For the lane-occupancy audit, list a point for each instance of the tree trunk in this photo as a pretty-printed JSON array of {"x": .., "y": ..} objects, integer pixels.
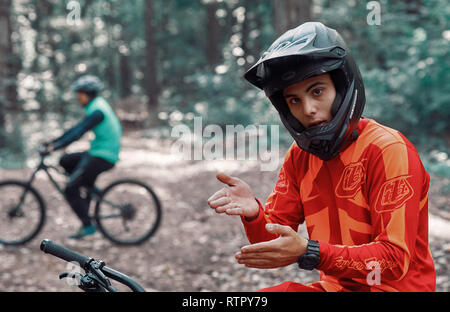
[
  {"x": 125, "y": 75},
  {"x": 246, "y": 27},
  {"x": 9, "y": 65},
  {"x": 151, "y": 81},
  {"x": 212, "y": 30},
  {"x": 291, "y": 13}
]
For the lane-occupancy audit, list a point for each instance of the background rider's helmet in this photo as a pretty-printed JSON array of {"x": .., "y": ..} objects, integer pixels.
[
  {"x": 309, "y": 50},
  {"x": 91, "y": 85}
]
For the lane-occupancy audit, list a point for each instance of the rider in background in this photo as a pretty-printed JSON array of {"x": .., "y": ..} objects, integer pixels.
[{"x": 85, "y": 167}]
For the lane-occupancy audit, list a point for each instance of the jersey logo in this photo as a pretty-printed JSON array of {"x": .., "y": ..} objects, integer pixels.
[
  {"x": 393, "y": 194},
  {"x": 282, "y": 183},
  {"x": 351, "y": 180}
]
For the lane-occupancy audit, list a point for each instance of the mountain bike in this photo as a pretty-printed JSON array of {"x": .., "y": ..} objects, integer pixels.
[
  {"x": 127, "y": 211},
  {"x": 97, "y": 274}
]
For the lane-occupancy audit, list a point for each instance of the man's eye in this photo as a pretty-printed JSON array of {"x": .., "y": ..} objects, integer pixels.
[
  {"x": 317, "y": 91},
  {"x": 294, "y": 100}
]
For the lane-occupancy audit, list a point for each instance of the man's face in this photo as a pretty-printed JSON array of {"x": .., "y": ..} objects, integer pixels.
[
  {"x": 83, "y": 98},
  {"x": 310, "y": 100}
]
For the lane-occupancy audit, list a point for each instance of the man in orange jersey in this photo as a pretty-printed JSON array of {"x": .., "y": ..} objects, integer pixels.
[{"x": 359, "y": 186}]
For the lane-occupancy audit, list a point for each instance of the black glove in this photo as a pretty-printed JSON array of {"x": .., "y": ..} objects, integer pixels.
[{"x": 45, "y": 149}]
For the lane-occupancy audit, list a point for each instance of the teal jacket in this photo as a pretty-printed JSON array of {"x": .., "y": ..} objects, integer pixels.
[
  {"x": 101, "y": 119},
  {"x": 108, "y": 133}
]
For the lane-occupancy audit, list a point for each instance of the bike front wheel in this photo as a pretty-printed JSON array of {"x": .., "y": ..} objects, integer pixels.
[
  {"x": 22, "y": 213},
  {"x": 128, "y": 212}
]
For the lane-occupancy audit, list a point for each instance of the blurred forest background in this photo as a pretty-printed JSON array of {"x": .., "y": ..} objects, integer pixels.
[{"x": 166, "y": 61}]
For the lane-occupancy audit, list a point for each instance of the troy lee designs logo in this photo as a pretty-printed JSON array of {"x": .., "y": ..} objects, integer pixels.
[
  {"x": 351, "y": 179},
  {"x": 382, "y": 264},
  {"x": 393, "y": 194}
]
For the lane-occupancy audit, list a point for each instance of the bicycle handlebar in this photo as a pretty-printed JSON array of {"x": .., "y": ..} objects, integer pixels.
[
  {"x": 43, "y": 151},
  {"x": 61, "y": 252},
  {"x": 122, "y": 278}
]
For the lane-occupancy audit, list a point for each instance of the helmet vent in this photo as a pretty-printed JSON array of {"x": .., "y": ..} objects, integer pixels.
[
  {"x": 289, "y": 75},
  {"x": 339, "y": 51}
]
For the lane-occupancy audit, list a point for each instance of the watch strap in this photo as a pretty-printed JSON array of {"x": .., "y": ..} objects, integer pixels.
[{"x": 311, "y": 258}]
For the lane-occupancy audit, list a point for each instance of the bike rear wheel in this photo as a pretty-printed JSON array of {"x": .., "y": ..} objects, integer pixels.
[
  {"x": 128, "y": 212},
  {"x": 22, "y": 213}
]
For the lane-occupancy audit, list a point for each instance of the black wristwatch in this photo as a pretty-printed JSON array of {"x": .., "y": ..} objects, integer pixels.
[{"x": 311, "y": 258}]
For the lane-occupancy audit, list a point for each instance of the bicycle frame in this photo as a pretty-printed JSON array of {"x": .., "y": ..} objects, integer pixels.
[{"x": 43, "y": 166}]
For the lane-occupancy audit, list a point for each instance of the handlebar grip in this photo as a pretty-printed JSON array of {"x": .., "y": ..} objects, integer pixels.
[{"x": 61, "y": 252}]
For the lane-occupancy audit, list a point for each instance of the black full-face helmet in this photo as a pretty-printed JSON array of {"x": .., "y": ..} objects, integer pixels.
[{"x": 309, "y": 50}]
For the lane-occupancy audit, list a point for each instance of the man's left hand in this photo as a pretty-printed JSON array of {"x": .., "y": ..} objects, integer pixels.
[{"x": 279, "y": 252}]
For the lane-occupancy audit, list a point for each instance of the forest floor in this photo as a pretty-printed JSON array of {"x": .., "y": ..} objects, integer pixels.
[{"x": 194, "y": 248}]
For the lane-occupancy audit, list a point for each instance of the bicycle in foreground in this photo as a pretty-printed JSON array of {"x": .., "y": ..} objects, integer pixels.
[
  {"x": 127, "y": 211},
  {"x": 97, "y": 274}
]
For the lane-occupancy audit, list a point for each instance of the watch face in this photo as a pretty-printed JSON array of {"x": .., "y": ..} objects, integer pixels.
[
  {"x": 311, "y": 259},
  {"x": 309, "y": 262}
]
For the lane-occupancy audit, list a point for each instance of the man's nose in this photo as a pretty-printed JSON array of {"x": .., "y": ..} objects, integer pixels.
[{"x": 309, "y": 108}]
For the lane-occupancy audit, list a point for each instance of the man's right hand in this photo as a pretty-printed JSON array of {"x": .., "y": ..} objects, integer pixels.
[{"x": 235, "y": 198}]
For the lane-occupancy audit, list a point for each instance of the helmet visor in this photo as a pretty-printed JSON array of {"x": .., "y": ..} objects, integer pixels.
[{"x": 275, "y": 74}]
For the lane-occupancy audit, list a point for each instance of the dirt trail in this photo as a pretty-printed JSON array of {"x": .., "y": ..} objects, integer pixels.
[{"x": 193, "y": 249}]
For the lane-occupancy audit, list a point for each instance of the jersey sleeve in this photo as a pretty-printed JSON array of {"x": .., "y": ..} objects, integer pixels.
[
  {"x": 76, "y": 132},
  {"x": 282, "y": 206},
  {"x": 397, "y": 186}
]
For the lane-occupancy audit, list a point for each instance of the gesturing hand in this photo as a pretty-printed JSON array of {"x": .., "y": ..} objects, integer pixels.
[
  {"x": 276, "y": 253},
  {"x": 236, "y": 198}
]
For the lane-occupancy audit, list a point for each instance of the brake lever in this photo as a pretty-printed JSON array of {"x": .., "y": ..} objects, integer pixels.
[
  {"x": 76, "y": 276},
  {"x": 87, "y": 283},
  {"x": 94, "y": 280},
  {"x": 70, "y": 275},
  {"x": 90, "y": 283},
  {"x": 95, "y": 272}
]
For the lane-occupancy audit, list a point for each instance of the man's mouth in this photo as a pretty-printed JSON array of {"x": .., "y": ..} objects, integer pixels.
[{"x": 317, "y": 123}]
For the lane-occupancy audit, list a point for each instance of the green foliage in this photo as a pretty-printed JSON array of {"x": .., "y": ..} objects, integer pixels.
[
  {"x": 14, "y": 156},
  {"x": 437, "y": 163},
  {"x": 404, "y": 61}
]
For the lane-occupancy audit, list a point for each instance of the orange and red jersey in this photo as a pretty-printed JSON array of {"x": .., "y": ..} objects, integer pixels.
[{"x": 367, "y": 207}]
